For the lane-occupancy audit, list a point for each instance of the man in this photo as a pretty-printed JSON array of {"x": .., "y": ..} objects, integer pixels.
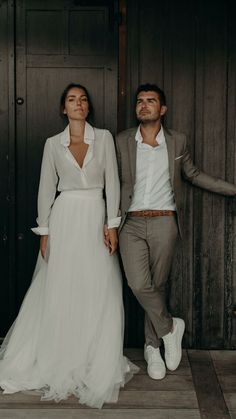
[{"x": 152, "y": 163}]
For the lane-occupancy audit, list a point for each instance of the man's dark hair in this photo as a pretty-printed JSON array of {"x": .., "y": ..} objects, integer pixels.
[
  {"x": 147, "y": 87},
  {"x": 64, "y": 95}
]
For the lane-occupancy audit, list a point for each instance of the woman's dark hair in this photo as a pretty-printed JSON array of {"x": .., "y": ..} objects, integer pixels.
[
  {"x": 152, "y": 88},
  {"x": 64, "y": 95}
]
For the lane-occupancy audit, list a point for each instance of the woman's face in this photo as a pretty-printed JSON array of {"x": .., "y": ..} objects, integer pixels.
[{"x": 76, "y": 104}]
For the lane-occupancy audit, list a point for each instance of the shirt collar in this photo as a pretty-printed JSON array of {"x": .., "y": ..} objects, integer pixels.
[
  {"x": 89, "y": 136},
  {"x": 160, "y": 138}
]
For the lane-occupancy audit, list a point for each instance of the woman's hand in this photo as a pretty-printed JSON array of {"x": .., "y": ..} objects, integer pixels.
[
  {"x": 112, "y": 240},
  {"x": 43, "y": 245}
]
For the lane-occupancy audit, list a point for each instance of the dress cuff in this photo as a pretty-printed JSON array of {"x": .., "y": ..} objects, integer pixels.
[
  {"x": 114, "y": 222},
  {"x": 40, "y": 231}
]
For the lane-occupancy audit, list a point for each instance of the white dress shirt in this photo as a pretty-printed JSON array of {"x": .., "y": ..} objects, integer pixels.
[
  {"x": 60, "y": 171},
  {"x": 152, "y": 189}
]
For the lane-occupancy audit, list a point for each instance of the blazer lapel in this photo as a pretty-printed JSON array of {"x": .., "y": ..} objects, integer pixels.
[
  {"x": 132, "y": 148},
  {"x": 170, "y": 143}
]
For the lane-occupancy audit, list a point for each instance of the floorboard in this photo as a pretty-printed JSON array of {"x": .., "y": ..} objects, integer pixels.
[
  {"x": 203, "y": 387},
  {"x": 104, "y": 414},
  {"x": 225, "y": 367},
  {"x": 210, "y": 397}
]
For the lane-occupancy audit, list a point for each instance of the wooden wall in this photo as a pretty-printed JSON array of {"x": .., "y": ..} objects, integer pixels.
[
  {"x": 189, "y": 49},
  {"x": 7, "y": 164}
]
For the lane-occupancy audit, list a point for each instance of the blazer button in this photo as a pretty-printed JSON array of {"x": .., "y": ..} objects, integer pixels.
[{"x": 130, "y": 196}]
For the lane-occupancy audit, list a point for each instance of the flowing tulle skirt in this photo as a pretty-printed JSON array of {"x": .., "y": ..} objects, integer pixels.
[{"x": 68, "y": 336}]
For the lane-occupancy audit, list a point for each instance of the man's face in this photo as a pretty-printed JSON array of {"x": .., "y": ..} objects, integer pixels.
[{"x": 148, "y": 107}]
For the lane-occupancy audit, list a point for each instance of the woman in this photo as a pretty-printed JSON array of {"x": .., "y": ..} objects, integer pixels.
[{"x": 67, "y": 338}]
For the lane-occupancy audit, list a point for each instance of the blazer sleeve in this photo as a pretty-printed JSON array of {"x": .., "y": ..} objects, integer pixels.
[
  {"x": 202, "y": 180},
  {"x": 47, "y": 190},
  {"x": 112, "y": 184}
]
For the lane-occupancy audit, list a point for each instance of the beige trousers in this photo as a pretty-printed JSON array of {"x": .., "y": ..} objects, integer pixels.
[{"x": 147, "y": 247}]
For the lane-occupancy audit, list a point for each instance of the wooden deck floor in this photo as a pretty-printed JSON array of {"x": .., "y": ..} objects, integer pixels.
[{"x": 204, "y": 386}]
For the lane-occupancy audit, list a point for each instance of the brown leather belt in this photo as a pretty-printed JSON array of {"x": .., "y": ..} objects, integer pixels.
[{"x": 151, "y": 213}]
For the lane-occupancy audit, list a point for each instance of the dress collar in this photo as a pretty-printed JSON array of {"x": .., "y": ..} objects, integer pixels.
[{"x": 89, "y": 136}]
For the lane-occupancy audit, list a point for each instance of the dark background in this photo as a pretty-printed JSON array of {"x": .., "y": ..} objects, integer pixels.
[{"x": 186, "y": 47}]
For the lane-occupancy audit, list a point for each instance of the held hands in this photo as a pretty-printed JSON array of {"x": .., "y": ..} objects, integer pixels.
[
  {"x": 43, "y": 245},
  {"x": 110, "y": 239}
]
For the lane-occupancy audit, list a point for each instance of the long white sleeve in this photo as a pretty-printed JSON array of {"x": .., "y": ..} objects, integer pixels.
[
  {"x": 112, "y": 184},
  {"x": 47, "y": 190}
]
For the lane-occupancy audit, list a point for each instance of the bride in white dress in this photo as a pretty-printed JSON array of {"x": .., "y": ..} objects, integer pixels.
[{"x": 68, "y": 336}]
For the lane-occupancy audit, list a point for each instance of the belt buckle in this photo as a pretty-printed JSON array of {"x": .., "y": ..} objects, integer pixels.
[{"x": 146, "y": 213}]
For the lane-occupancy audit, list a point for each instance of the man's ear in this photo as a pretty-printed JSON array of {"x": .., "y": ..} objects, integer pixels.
[{"x": 163, "y": 110}]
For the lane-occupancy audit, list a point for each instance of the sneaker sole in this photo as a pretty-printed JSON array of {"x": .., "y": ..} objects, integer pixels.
[{"x": 155, "y": 377}]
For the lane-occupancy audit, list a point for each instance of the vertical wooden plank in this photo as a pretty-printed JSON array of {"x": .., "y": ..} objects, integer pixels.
[
  {"x": 198, "y": 151},
  {"x": 121, "y": 115},
  {"x": 7, "y": 172},
  {"x": 4, "y": 168},
  {"x": 230, "y": 236},
  {"x": 111, "y": 69},
  {"x": 134, "y": 315},
  {"x": 11, "y": 157},
  {"x": 168, "y": 59},
  {"x": 210, "y": 155},
  {"x": 23, "y": 278},
  {"x": 133, "y": 53},
  {"x": 152, "y": 24},
  {"x": 179, "y": 82}
]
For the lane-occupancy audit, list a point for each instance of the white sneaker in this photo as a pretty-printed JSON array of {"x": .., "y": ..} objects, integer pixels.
[
  {"x": 156, "y": 367},
  {"x": 172, "y": 344}
]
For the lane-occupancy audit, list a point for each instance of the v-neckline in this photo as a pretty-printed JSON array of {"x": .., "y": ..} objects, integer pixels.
[{"x": 76, "y": 161}]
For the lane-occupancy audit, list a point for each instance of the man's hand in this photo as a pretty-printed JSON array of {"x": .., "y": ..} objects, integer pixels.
[
  {"x": 110, "y": 239},
  {"x": 43, "y": 245},
  {"x": 113, "y": 240},
  {"x": 106, "y": 235}
]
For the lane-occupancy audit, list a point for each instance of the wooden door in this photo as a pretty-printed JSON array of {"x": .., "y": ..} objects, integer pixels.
[{"x": 57, "y": 42}]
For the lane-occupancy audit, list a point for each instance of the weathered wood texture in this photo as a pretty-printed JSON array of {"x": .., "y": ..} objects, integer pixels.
[
  {"x": 205, "y": 390},
  {"x": 225, "y": 366},
  {"x": 7, "y": 164},
  {"x": 188, "y": 49},
  {"x": 209, "y": 393}
]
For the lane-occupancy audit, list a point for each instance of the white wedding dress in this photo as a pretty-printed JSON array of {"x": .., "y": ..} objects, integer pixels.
[{"x": 68, "y": 336}]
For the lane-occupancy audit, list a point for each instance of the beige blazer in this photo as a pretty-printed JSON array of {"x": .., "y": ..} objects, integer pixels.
[{"x": 180, "y": 165}]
